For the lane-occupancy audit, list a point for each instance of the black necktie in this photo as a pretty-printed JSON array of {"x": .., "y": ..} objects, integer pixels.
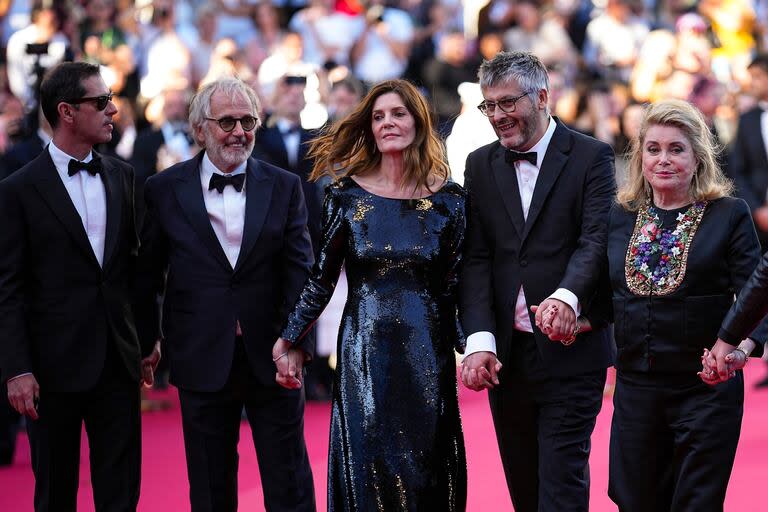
[
  {"x": 514, "y": 156},
  {"x": 220, "y": 181},
  {"x": 93, "y": 167}
]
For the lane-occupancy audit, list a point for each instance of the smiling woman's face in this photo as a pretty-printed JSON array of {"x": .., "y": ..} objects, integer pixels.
[{"x": 668, "y": 160}]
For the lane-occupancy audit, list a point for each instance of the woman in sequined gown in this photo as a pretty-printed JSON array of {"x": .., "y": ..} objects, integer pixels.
[{"x": 397, "y": 224}]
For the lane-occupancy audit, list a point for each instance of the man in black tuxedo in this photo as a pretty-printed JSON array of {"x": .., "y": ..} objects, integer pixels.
[
  {"x": 230, "y": 232},
  {"x": 68, "y": 246},
  {"x": 536, "y": 235},
  {"x": 283, "y": 142},
  {"x": 748, "y": 157}
]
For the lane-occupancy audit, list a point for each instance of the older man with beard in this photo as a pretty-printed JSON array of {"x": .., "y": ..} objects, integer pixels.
[{"x": 230, "y": 232}]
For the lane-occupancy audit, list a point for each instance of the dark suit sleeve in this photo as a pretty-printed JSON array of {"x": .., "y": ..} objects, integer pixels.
[
  {"x": 584, "y": 267},
  {"x": 319, "y": 287},
  {"x": 15, "y": 356},
  {"x": 150, "y": 274},
  {"x": 738, "y": 170},
  {"x": 752, "y": 302},
  {"x": 476, "y": 286}
]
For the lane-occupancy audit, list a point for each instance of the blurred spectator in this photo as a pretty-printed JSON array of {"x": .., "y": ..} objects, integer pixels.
[
  {"x": 470, "y": 131},
  {"x": 328, "y": 35},
  {"x": 236, "y": 20},
  {"x": 631, "y": 119},
  {"x": 613, "y": 40},
  {"x": 542, "y": 32},
  {"x": 202, "y": 45},
  {"x": 282, "y": 141},
  {"x": 432, "y": 23},
  {"x": 653, "y": 66},
  {"x": 269, "y": 30},
  {"x": 124, "y": 134},
  {"x": 383, "y": 43},
  {"x": 288, "y": 58},
  {"x": 344, "y": 97},
  {"x": 495, "y": 16},
  {"x": 733, "y": 23},
  {"x": 442, "y": 76},
  {"x": 167, "y": 61},
  {"x": 24, "y": 146},
  {"x": 34, "y": 49}
]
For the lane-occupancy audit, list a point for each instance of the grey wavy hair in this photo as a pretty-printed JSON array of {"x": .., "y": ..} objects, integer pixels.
[
  {"x": 232, "y": 87},
  {"x": 524, "y": 68}
]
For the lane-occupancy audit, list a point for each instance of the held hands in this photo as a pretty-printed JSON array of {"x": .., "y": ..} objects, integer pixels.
[
  {"x": 557, "y": 320},
  {"x": 149, "y": 365},
  {"x": 721, "y": 363},
  {"x": 23, "y": 394},
  {"x": 289, "y": 362},
  {"x": 480, "y": 370}
]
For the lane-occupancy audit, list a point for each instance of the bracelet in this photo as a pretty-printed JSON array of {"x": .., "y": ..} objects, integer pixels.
[
  {"x": 276, "y": 359},
  {"x": 570, "y": 339},
  {"x": 746, "y": 357}
]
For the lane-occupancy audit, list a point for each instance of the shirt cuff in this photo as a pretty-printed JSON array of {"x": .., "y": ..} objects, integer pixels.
[
  {"x": 569, "y": 298},
  {"x": 481, "y": 341},
  {"x": 19, "y": 375}
]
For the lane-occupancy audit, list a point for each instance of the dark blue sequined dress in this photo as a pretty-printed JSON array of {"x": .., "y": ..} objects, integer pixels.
[{"x": 396, "y": 440}]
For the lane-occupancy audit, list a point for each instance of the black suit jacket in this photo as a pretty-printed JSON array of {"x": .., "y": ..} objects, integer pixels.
[
  {"x": 748, "y": 161},
  {"x": 58, "y": 307},
  {"x": 668, "y": 333},
  {"x": 20, "y": 154},
  {"x": 204, "y": 295},
  {"x": 560, "y": 245},
  {"x": 269, "y": 147}
]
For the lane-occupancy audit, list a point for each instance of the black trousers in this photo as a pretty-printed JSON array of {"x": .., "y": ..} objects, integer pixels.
[
  {"x": 211, "y": 423},
  {"x": 112, "y": 417},
  {"x": 673, "y": 442},
  {"x": 9, "y": 425},
  {"x": 543, "y": 428}
]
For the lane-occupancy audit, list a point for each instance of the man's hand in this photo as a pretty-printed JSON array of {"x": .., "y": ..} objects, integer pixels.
[
  {"x": 760, "y": 215},
  {"x": 289, "y": 362},
  {"x": 149, "y": 365},
  {"x": 23, "y": 394},
  {"x": 719, "y": 351},
  {"x": 563, "y": 322},
  {"x": 480, "y": 370}
]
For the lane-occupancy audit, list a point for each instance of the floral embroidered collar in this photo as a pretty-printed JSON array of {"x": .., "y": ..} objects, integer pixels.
[{"x": 649, "y": 242}]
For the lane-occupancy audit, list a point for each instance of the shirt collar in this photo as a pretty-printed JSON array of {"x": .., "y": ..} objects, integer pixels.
[
  {"x": 61, "y": 159},
  {"x": 540, "y": 148}
]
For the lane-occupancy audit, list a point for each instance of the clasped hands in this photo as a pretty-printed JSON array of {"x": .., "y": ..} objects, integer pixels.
[
  {"x": 289, "y": 361},
  {"x": 720, "y": 364},
  {"x": 556, "y": 319}
]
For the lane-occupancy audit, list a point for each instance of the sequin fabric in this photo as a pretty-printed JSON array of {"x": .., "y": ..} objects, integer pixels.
[{"x": 396, "y": 442}]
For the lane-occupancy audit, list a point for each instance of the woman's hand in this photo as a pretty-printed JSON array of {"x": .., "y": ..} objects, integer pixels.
[
  {"x": 734, "y": 360},
  {"x": 289, "y": 362}
]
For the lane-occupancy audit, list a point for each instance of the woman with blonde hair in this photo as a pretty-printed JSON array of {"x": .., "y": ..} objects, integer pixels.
[
  {"x": 396, "y": 222},
  {"x": 679, "y": 249}
]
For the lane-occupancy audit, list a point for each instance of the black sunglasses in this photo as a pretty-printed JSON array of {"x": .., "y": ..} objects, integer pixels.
[
  {"x": 228, "y": 123},
  {"x": 101, "y": 101}
]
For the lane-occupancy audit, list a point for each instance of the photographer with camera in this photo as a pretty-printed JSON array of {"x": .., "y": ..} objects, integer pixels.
[
  {"x": 34, "y": 49},
  {"x": 384, "y": 44}
]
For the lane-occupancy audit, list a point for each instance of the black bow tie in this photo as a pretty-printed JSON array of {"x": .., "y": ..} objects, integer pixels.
[
  {"x": 220, "y": 181},
  {"x": 93, "y": 167},
  {"x": 290, "y": 130},
  {"x": 514, "y": 156}
]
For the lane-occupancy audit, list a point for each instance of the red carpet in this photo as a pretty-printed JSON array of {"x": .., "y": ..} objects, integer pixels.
[{"x": 164, "y": 484}]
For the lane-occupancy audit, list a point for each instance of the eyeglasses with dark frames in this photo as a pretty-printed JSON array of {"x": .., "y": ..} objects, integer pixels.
[
  {"x": 507, "y": 105},
  {"x": 228, "y": 123},
  {"x": 100, "y": 101}
]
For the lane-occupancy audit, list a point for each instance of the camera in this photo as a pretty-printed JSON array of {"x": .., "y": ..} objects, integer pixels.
[{"x": 37, "y": 49}]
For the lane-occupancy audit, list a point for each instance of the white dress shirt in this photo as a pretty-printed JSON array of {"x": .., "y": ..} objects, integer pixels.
[
  {"x": 88, "y": 196},
  {"x": 527, "y": 174},
  {"x": 291, "y": 139},
  {"x": 226, "y": 210}
]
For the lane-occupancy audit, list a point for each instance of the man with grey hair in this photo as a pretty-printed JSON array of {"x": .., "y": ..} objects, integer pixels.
[
  {"x": 536, "y": 237},
  {"x": 230, "y": 233}
]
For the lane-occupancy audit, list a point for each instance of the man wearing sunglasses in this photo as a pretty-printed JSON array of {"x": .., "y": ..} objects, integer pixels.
[
  {"x": 68, "y": 247},
  {"x": 230, "y": 233},
  {"x": 536, "y": 235}
]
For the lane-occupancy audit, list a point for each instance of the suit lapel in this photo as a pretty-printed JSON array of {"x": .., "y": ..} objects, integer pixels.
[
  {"x": 114, "y": 192},
  {"x": 189, "y": 193},
  {"x": 55, "y": 194},
  {"x": 553, "y": 164},
  {"x": 506, "y": 181},
  {"x": 258, "y": 190}
]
